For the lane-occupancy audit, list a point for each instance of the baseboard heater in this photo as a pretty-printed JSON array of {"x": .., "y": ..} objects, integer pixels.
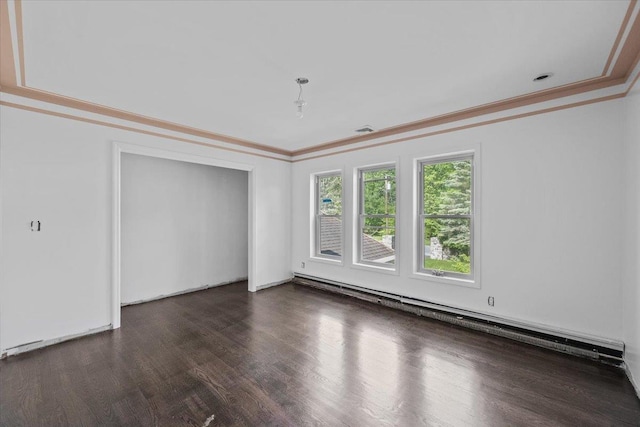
[{"x": 609, "y": 352}]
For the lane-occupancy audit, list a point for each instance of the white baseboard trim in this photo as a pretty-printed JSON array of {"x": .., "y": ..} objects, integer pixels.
[
  {"x": 271, "y": 285},
  {"x": 402, "y": 302},
  {"x": 23, "y": 348},
  {"x": 184, "y": 291},
  {"x": 634, "y": 383}
]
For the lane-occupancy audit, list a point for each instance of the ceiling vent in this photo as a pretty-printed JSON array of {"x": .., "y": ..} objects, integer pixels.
[
  {"x": 365, "y": 129},
  {"x": 543, "y": 76}
]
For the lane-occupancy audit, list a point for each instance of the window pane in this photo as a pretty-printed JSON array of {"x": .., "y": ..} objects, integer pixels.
[
  {"x": 447, "y": 188},
  {"x": 379, "y": 192},
  {"x": 330, "y": 236},
  {"x": 377, "y": 236},
  {"x": 370, "y": 175},
  {"x": 378, "y": 244},
  {"x": 447, "y": 245},
  {"x": 330, "y": 197},
  {"x": 379, "y": 222}
]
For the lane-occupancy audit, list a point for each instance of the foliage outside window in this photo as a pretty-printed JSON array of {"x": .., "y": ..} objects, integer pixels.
[
  {"x": 377, "y": 216},
  {"x": 446, "y": 217},
  {"x": 328, "y": 216}
]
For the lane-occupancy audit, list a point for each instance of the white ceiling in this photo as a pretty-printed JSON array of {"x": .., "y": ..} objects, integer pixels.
[{"x": 229, "y": 67}]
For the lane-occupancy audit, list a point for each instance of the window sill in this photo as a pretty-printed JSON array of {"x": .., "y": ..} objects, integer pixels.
[
  {"x": 331, "y": 261},
  {"x": 467, "y": 283},
  {"x": 376, "y": 268}
]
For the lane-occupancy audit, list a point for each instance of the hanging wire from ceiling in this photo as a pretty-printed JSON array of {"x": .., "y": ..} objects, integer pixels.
[{"x": 300, "y": 102}]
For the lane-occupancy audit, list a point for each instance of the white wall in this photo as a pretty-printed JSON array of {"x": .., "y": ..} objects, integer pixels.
[
  {"x": 58, "y": 282},
  {"x": 550, "y": 187},
  {"x": 551, "y": 223},
  {"x": 184, "y": 226},
  {"x": 631, "y": 247}
]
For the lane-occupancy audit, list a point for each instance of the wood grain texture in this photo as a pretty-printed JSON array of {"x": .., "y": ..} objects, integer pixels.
[{"x": 292, "y": 355}]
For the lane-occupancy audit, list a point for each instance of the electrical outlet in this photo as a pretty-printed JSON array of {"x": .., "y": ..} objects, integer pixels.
[
  {"x": 490, "y": 301},
  {"x": 302, "y": 264}
]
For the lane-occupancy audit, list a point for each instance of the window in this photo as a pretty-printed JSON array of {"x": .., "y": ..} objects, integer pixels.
[
  {"x": 446, "y": 217},
  {"x": 377, "y": 216},
  {"x": 328, "y": 216}
]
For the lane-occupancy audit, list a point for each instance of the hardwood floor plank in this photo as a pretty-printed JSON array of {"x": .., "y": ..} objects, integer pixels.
[{"x": 296, "y": 356}]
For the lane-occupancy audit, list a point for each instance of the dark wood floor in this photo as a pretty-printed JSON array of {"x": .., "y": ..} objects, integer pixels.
[{"x": 292, "y": 355}]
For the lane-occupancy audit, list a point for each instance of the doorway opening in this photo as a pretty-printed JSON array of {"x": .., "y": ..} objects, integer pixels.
[{"x": 181, "y": 223}]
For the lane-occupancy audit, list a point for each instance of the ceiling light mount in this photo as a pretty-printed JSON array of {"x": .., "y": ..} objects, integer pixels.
[
  {"x": 541, "y": 77},
  {"x": 300, "y": 102}
]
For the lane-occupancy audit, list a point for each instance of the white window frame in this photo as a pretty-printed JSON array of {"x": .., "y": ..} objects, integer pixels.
[
  {"x": 316, "y": 218},
  {"x": 468, "y": 280},
  {"x": 360, "y": 216}
]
